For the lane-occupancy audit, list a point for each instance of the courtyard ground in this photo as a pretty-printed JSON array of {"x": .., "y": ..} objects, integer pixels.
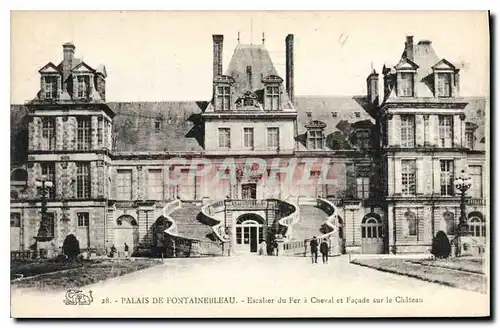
[{"x": 263, "y": 286}]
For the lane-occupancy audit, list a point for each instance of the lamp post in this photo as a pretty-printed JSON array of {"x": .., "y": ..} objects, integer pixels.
[
  {"x": 462, "y": 183},
  {"x": 44, "y": 185}
]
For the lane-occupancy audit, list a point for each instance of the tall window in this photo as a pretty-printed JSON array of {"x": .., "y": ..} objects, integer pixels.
[
  {"x": 446, "y": 179},
  {"x": 408, "y": 177},
  {"x": 477, "y": 227},
  {"x": 363, "y": 187},
  {"x": 124, "y": 184},
  {"x": 443, "y": 85},
  {"x": 224, "y": 97},
  {"x": 155, "y": 184},
  {"x": 49, "y": 217},
  {"x": 83, "y": 133},
  {"x": 406, "y": 84},
  {"x": 83, "y": 180},
  {"x": 50, "y": 87},
  {"x": 272, "y": 98},
  {"x": 48, "y": 133},
  {"x": 83, "y": 86},
  {"x": 273, "y": 137},
  {"x": 446, "y": 130},
  {"x": 408, "y": 131},
  {"x": 469, "y": 139},
  {"x": 224, "y": 138},
  {"x": 100, "y": 131},
  {"x": 315, "y": 139},
  {"x": 83, "y": 219},
  {"x": 476, "y": 174},
  {"x": 248, "y": 137},
  {"x": 49, "y": 171}
]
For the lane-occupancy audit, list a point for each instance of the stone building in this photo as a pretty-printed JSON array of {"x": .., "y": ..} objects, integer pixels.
[{"x": 371, "y": 173}]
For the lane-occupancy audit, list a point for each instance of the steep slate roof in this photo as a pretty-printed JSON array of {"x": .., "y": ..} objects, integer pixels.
[
  {"x": 257, "y": 57},
  {"x": 339, "y": 115},
  {"x": 180, "y": 128}
]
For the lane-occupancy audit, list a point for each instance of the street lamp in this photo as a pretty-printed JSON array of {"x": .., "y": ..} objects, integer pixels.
[
  {"x": 44, "y": 185},
  {"x": 462, "y": 183}
]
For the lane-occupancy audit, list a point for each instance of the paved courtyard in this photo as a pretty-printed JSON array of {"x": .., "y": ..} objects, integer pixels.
[{"x": 254, "y": 286}]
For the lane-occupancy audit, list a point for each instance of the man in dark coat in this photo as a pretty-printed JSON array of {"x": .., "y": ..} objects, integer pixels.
[
  {"x": 314, "y": 250},
  {"x": 323, "y": 248}
]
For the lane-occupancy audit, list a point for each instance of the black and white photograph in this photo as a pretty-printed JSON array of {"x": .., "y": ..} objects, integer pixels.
[{"x": 250, "y": 164}]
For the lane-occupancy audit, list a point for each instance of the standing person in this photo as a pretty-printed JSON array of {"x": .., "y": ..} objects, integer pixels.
[
  {"x": 314, "y": 250},
  {"x": 126, "y": 249},
  {"x": 275, "y": 247},
  {"x": 323, "y": 248}
]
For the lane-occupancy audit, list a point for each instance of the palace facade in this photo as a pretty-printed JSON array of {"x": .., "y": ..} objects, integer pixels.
[{"x": 372, "y": 173}]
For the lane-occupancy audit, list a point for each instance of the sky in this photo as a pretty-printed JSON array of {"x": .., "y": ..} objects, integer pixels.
[{"x": 154, "y": 56}]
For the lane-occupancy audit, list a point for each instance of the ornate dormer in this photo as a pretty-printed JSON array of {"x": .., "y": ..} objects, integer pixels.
[
  {"x": 248, "y": 100},
  {"x": 406, "y": 71},
  {"x": 223, "y": 92},
  {"x": 446, "y": 79},
  {"x": 315, "y": 135},
  {"x": 470, "y": 137},
  {"x": 83, "y": 82},
  {"x": 273, "y": 88},
  {"x": 50, "y": 82}
]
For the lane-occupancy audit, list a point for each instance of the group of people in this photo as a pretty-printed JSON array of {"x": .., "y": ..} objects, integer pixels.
[
  {"x": 113, "y": 251},
  {"x": 271, "y": 250},
  {"x": 323, "y": 248}
]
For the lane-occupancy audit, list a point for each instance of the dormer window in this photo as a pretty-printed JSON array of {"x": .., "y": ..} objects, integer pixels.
[
  {"x": 224, "y": 97},
  {"x": 50, "y": 87},
  {"x": 272, "y": 98},
  {"x": 83, "y": 86},
  {"x": 315, "y": 136},
  {"x": 470, "y": 135},
  {"x": 272, "y": 92},
  {"x": 443, "y": 87},
  {"x": 406, "y": 84}
]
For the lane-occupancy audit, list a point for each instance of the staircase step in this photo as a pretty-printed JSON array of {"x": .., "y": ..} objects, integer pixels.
[{"x": 311, "y": 221}]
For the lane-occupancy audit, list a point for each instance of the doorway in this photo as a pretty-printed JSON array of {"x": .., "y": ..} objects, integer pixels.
[
  {"x": 249, "y": 191},
  {"x": 250, "y": 232},
  {"x": 372, "y": 238}
]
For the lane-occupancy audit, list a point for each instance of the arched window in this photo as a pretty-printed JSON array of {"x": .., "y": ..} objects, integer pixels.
[
  {"x": 477, "y": 226},
  {"x": 449, "y": 222},
  {"x": 371, "y": 227},
  {"x": 411, "y": 224},
  {"x": 19, "y": 175}
]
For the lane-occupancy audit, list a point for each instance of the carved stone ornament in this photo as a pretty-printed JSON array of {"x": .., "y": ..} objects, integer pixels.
[{"x": 315, "y": 125}]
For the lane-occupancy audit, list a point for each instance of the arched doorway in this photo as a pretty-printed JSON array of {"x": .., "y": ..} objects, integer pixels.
[
  {"x": 250, "y": 231},
  {"x": 126, "y": 231},
  {"x": 372, "y": 238}
]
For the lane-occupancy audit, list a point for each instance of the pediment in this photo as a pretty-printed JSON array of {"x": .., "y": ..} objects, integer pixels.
[
  {"x": 223, "y": 79},
  {"x": 49, "y": 68},
  {"x": 443, "y": 64},
  {"x": 248, "y": 95},
  {"x": 83, "y": 68},
  {"x": 406, "y": 63},
  {"x": 272, "y": 79},
  {"x": 315, "y": 125}
]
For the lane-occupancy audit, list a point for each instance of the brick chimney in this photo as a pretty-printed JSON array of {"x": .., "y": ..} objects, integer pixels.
[
  {"x": 68, "y": 56},
  {"x": 409, "y": 47},
  {"x": 218, "y": 40},
  {"x": 372, "y": 87},
  {"x": 289, "y": 66}
]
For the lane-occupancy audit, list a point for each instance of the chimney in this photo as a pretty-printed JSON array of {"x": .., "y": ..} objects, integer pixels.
[
  {"x": 218, "y": 40},
  {"x": 68, "y": 56},
  {"x": 289, "y": 66},
  {"x": 409, "y": 47},
  {"x": 372, "y": 87}
]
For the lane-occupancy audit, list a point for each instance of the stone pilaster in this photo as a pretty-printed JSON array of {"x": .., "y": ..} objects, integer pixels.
[
  {"x": 94, "y": 180},
  {"x": 93, "y": 132},
  {"x": 59, "y": 133}
]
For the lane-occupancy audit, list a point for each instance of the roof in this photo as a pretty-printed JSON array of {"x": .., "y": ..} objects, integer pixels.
[
  {"x": 257, "y": 59},
  {"x": 179, "y": 126},
  {"x": 475, "y": 112},
  {"x": 338, "y": 113}
]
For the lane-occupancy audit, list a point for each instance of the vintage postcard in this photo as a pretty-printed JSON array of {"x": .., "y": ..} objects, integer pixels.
[{"x": 250, "y": 164}]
